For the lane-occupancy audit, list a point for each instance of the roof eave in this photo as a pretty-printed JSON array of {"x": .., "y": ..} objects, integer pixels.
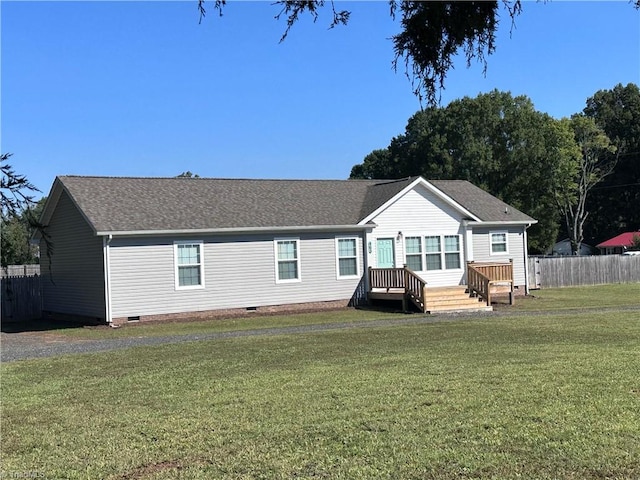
[
  {"x": 500, "y": 223},
  {"x": 234, "y": 230}
]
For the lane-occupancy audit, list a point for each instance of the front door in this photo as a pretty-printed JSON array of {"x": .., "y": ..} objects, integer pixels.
[{"x": 386, "y": 257}]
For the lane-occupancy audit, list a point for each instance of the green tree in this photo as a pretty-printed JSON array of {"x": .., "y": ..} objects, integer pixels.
[
  {"x": 614, "y": 202},
  {"x": 15, "y": 190},
  {"x": 15, "y": 235},
  {"x": 596, "y": 161},
  {"x": 188, "y": 174},
  {"x": 19, "y": 214},
  {"x": 500, "y": 143},
  {"x": 432, "y": 33}
]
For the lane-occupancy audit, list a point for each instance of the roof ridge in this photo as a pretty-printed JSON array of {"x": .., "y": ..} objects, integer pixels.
[{"x": 135, "y": 177}]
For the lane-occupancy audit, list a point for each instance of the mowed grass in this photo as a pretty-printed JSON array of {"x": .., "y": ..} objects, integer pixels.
[
  {"x": 596, "y": 296},
  {"x": 214, "y": 325},
  {"x": 540, "y": 300},
  {"x": 553, "y": 396}
]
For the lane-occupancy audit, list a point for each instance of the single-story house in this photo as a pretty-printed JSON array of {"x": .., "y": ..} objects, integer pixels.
[
  {"x": 153, "y": 248},
  {"x": 618, "y": 244},
  {"x": 563, "y": 248}
]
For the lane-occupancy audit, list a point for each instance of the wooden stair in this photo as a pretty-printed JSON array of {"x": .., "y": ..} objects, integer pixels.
[{"x": 452, "y": 299}]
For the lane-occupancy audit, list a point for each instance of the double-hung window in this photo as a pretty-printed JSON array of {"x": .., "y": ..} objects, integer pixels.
[
  {"x": 451, "y": 252},
  {"x": 188, "y": 264},
  {"x": 287, "y": 260},
  {"x": 347, "y": 254},
  {"x": 498, "y": 243},
  {"x": 413, "y": 253},
  {"x": 433, "y": 252}
]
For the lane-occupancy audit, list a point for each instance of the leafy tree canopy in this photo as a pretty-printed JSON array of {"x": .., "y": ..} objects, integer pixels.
[
  {"x": 614, "y": 202},
  {"x": 595, "y": 162},
  {"x": 496, "y": 141},
  {"x": 15, "y": 235},
  {"x": 19, "y": 216},
  {"x": 188, "y": 174}
]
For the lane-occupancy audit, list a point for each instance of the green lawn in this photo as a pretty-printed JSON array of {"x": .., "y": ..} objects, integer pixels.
[
  {"x": 597, "y": 296},
  {"x": 553, "y": 396}
]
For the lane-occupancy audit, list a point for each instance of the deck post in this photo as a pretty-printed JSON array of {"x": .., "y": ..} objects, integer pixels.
[
  {"x": 511, "y": 292},
  {"x": 405, "y": 306}
]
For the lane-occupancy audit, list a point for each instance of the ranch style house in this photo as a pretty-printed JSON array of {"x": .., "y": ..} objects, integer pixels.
[{"x": 128, "y": 249}]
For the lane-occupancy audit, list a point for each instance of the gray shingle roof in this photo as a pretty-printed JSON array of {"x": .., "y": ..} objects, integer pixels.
[
  {"x": 482, "y": 204},
  {"x": 113, "y": 204}
]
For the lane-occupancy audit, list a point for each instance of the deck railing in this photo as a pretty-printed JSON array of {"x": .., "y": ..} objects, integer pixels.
[
  {"x": 481, "y": 277},
  {"x": 414, "y": 288},
  {"x": 399, "y": 279},
  {"x": 386, "y": 278}
]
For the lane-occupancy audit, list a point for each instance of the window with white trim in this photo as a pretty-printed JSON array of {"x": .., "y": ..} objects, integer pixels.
[
  {"x": 347, "y": 254},
  {"x": 413, "y": 253},
  {"x": 287, "y": 260},
  {"x": 189, "y": 264},
  {"x": 433, "y": 252},
  {"x": 451, "y": 252},
  {"x": 499, "y": 243}
]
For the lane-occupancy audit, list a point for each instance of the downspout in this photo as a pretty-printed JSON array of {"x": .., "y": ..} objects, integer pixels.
[
  {"x": 106, "y": 240},
  {"x": 468, "y": 246},
  {"x": 526, "y": 260}
]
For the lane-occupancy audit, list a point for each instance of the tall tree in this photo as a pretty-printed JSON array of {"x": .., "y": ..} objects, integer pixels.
[
  {"x": 17, "y": 210},
  {"x": 16, "y": 192},
  {"x": 15, "y": 235},
  {"x": 596, "y": 161},
  {"x": 614, "y": 202},
  {"x": 500, "y": 143}
]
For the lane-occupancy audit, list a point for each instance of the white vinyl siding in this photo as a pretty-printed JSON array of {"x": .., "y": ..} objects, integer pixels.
[
  {"x": 287, "y": 260},
  {"x": 239, "y": 272},
  {"x": 482, "y": 251},
  {"x": 347, "y": 257},
  {"x": 188, "y": 261},
  {"x": 421, "y": 214},
  {"x": 74, "y": 282}
]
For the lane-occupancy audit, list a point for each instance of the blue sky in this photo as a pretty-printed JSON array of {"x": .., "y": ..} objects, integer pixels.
[{"x": 141, "y": 89}]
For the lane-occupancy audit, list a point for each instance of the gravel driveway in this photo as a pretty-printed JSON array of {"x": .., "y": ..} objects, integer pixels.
[{"x": 26, "y": 345}]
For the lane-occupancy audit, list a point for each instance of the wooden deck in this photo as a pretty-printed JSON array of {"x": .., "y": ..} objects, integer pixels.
[{"x": 402, "y": 284}]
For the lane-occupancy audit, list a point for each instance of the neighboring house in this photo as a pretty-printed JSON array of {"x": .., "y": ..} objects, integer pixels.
[
  {"x": 563, "y": 248},
  {"x": 148, "y": 248},
  {"x": 618, "y": 244}
]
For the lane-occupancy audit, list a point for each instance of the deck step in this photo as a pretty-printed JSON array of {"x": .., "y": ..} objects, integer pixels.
[
  {"x": 452, "y": 299},
  {"x": 438, "y": 299}
]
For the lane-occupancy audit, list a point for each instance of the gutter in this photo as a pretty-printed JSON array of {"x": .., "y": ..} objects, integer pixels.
[
  {"x": 501, "y": 223},
  {"x": 526, "y": 259},
  {"x": 233, "y": 230}
]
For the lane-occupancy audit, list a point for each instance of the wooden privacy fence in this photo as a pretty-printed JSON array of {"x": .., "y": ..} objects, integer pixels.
[
  {"x": 20, "y": 270},
  {"x": 548, "y": 272},
  {"x": 20, "y": 298}
]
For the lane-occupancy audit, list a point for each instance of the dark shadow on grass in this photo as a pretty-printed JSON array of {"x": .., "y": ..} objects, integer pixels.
[{"x": 38, "y": 325}]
